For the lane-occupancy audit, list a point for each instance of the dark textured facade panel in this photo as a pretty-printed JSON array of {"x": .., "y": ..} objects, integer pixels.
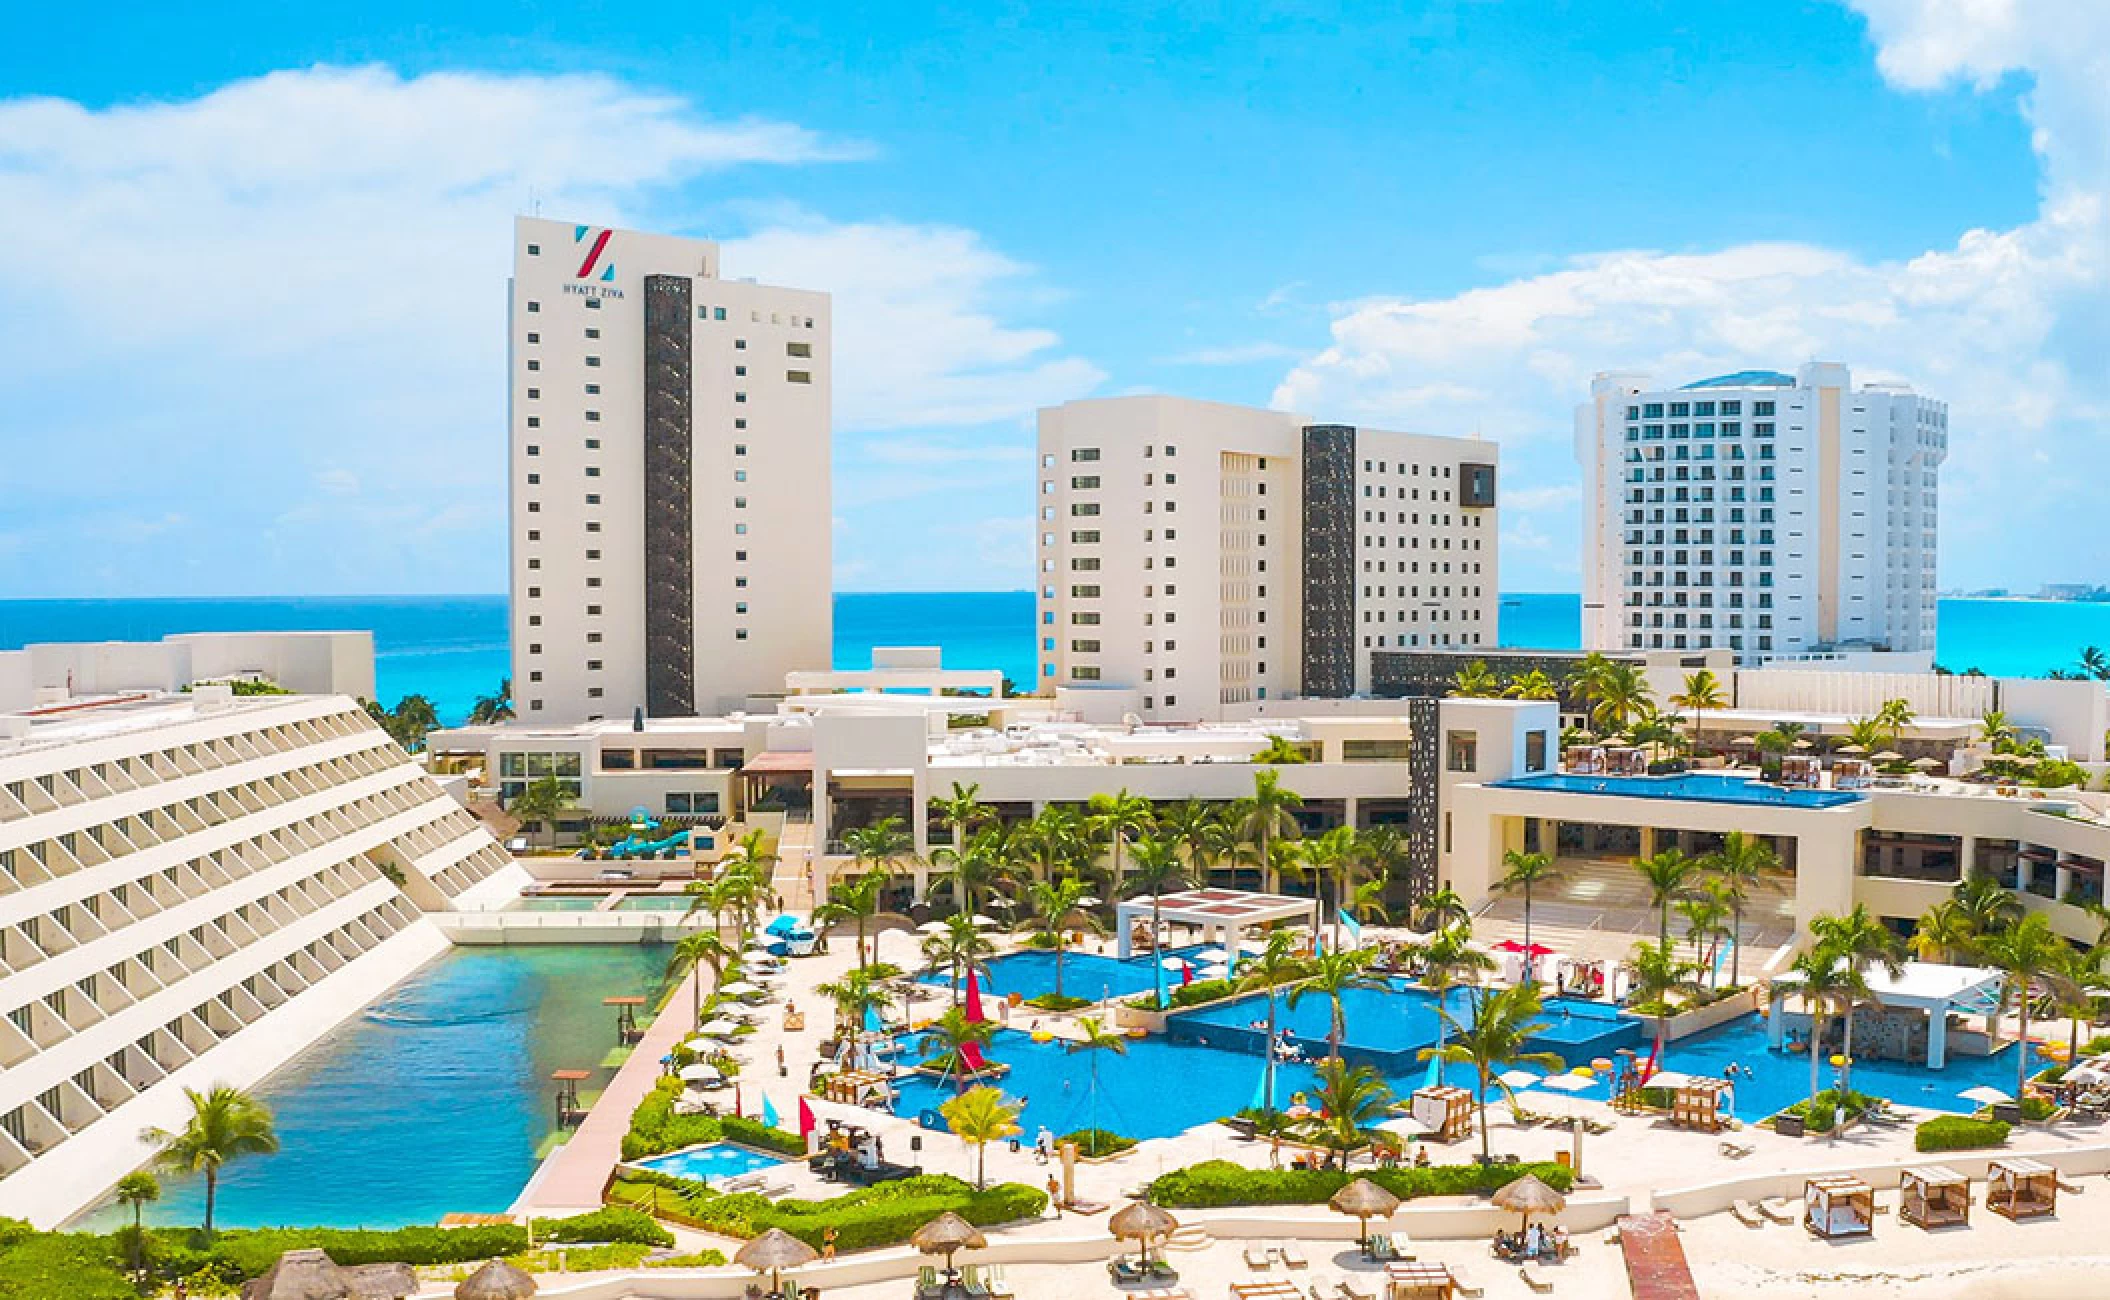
[
  {"x": 670, "y": 450},
  {"x": 1424, "y": 788},
  {"x": 1328, "y": 658}
]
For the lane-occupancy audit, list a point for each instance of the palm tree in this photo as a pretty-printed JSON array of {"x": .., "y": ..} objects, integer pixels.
[
  {"x": 1894, "y": 716},
  {"x": 1945, "y": 933},
  {"x": 958, "y": 948},
  {"x": 1057, "y": 907},
  {"x": 978, "y": 1117},
  {"x": 1585, "y": 681},
  {"x": 1118, "y": 816},
  {"x": 961, "y": 811},
  {"x": 1534, "y": 685},
  {"x": 856, "y": 993},
  {"x": 1741, "y": 860},
  {"x": 2082, "y": 990},
  {"x": 1268, "y": 814},
  {"x": 873, "y": 847},
  {"x": 956, "y": 1032},
  {"x": 225, "y": 1124},
  {"x": 1384, "y": 854},
  {"x": 137, "y": 1189},
  {"x": 1445, "y": 908},
  {"x": 1474, "y": 681},
  {"x": 973, "y": 872},
  {"x": 1493, "y": 1042},
  {"x": 2034, "y": 959},
  {"x": 1703, "y": 914},
  {"x": 691, "y": 951},
  {"x": 1865, "y": 732},
  {"x": 1352, "y": 1100},
  {"x": 1332, "y": 975},
  {"x": 1825, "y": 982},
  {"x": 2094, "y": 663},
  {"x": 496, "y": 707},
  {"x": 1988, "y": 904},
  {"x": 1863, "y": 944},
  {"x": 1271, "y": 968},
  {"x": 1156, "y": 868},
  {"x": 1670, "y": 875},
  {"x": 723, "y": 896},
  {"x": 1198, "y": 829},
  {"x": 1522, "y": 871},
  {"x": 1621, "y": 693},
  {"x": 1994, "y": 727},
  {"x": 857, "y": 900},
  {"x": 1703, "y": 691},
  {"x": 1280, "y": 751},
  {"x": 1655, "y": 972},
  {"x": 543, "y": 800},
  {"x": 1328, "y": 858},
  {"x": 1092, "y": 1039},
  {"x": 1053, "y": 842}
]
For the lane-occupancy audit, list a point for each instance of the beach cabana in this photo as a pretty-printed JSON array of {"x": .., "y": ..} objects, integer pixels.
[
  {"x": 1140, "y": 1222},
  {"x": 1366, "y": 1201},
  {"x": 1584, "y": 760},
  {"x": 2021, "y": 1189},
  {"x": 1448, "y": 1111},
  {"x": 1836, "y": 1206},
  {"x": 1625, "y": 760},
  {"x": 1418, "y": 1281},
  {"x": 1934, "y": 1196},
  {"x": 1703, "y": 1104},
  {"x": 313, "y": 1275}
]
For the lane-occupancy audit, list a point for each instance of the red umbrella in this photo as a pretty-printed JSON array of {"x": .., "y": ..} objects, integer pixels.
[
  {"x": 1534, "y": 950},
  {"x": 974, "y": 999}
]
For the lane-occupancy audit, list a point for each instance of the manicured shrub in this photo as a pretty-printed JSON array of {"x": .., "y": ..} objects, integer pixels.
[
  {"x": 1958, "y": 1133},
  {"x": 1097, "y": 1142},
  {"x": 605, "y": 1225},
  {"x": 243, "y": 1253},
  {"x": 1219, "y": 1182},
  {"x": 1051, "y": 1002},
  {"x": 656, "y": 1129},
  {"x": 2036, "y": 1109},
  {"x": 59, "y": 1266},
  {"x": 884, "y": 1215}
]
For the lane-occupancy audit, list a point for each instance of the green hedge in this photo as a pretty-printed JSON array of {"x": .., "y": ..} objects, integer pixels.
[
  {"x": 59, "y": 1266},
  {"x": 1186, "y": 995},
  {"x": 655, "y": 1129},
  {"x": 1097, "y": 1142},
  {"x": 1219, "y": 1182},
  {"x": 884, "y": 1215},
  {"x": 1050, "y": 1002},
  {"x": 245, "y": 1253},
  {"x": 1958, "y": 1133}
]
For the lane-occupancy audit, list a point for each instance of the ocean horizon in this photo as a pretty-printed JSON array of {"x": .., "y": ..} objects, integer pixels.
[{"x": 453, "y": 648}]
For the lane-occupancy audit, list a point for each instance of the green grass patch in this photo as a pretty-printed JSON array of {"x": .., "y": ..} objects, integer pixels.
[
  {"x": 1220, "y": 1182},
  {"x": 1055, "y": 1002},
  {"x": 1098, "y": 1142},
  {"x": 884, "y": 1215},
  {"x": 1958, "y": 1133},
  {"x": 656, "y": 1129}
]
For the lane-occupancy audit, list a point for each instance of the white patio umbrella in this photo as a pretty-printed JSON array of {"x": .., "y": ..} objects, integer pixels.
[
  {"x": 1566, "y": 1082},
  {"x": 931, "y": 927},
  {"x": 700, "y": 1073},
  {"x": 699, "y": 1044},
  {"x": 1251, "y": 946},
  {"x": 1514, "y": 1079},
  {"x": 1089, "y": 900},
  {"x": 1214, "y": 972},
  {"x": 740, "y": 989},
  {"x": 720, "y": 1028},
  {"x": 1667, "y": 1079},
  {"x": 984, "y": 921},
  {"x": 1212, "y": 957},
  {"x": 1406, "y": 1126},
  {"x": 1985, "y": 1096}
]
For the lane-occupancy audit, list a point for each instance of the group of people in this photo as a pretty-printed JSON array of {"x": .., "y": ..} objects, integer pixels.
[{"x": 1534, "y": 1242}]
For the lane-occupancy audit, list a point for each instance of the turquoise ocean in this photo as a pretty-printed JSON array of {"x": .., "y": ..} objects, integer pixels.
[{"x": 453, "y": 648}]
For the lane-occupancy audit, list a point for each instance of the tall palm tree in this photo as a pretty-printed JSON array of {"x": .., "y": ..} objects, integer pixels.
[
  {"x": 959, "y": 948},
  {"x": 1328, "y": 859},
  {"x": 1492, "y": 1042},
  {"x": 1655, "y": 973},
  {"x": 496, "y": 707},
  {"x": 1332, "y": 975},
  {"x": 1267, "y": 815},
  {"x": 1825, "y": 982},
  {"x": 1156, "y": 868},
  {"x": 873, "y": 848},
  {"x": 1521, "y": 871},
  {"x": 1741, "y": 861},
  {"x": 1621, "y": 694},
  {"x": 1986, "y": 903},
  {"x": 1055, "y": 908},
  {"x": 1092, "y": 1039},
  {"x": 1863, "y": 944},
  {"x": 1865, "y": 732},
  {"x": 961, "y": 811},
  {"x": 974, "y": 872},
  {"x": 542, "y": 801},
  {"x": 1053, "y": 843},
  {"x": 1585, "y": 681},
  {"x": 1445, "y": 908},
  {"x": 1269, "y": 969},
  {"x": 855, "y": 900},
  {"x": 691, "y": 951},
  {"x": 2094, "y": 663},
  {"x": 1116, "y": 817},
  {"x": 225, "y": 1125},
  {"x": 2034, "y": 960},
  {"x": 1197, "y": 828},
  {"x": 978, "y": 1117},
  {"x": 1994, "y": 727},
  {"x": 722, "y": 896},
  {"x": 1703, "y": 914},
  {"x": 1384, "y": 855},
  {"x": 1945, "y": 933},
  {"x": 1703, "y": 691},
  {"x": 1353, "y": 1100},
  {"x": 858, "y": 991},
  {"x": 1670, "y": 876},
  {"x": 955, "y": 1033},
  {"x": 1895, "y": 716},
  {"x": 1534, "y": 685},
  {"x": 1475, "y": 681}
]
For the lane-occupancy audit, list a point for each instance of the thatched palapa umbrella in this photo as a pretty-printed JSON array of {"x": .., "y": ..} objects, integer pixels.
[
  {"x": 772, "y": 1253},
  {"x": 947, "y": 1235},
  {"x": 313, "y": 1275},
  {"x": 1529, "y": 1195},
  {"x": 1140, "y": 1221},
  {"x": 1366, "y": 1201},
  {"x": 496, "y": 1280}
]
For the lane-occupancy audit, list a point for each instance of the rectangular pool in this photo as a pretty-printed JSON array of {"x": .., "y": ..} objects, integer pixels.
[
  {"x": 713, "y": 1162},
  {"x": 1705, "y": 786},
  {"x": 1030, "y": 972}
]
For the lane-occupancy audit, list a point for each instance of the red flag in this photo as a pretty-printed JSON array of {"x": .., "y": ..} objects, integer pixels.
[
  {"x": 974, "y": 999},
  {"x": 736, "y": 1104},
  {"x": 806, "y": 1121},
  {"x": 1186, "y": 974}
]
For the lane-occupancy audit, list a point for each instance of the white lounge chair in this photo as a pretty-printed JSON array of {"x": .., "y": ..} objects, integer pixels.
[
  {"x": 1292, "y": 1254},
  {"x": 1534, "y": 1278},
  {"x": 1748, "y": 1214},
  {"x": 1257, "y": 1257}
]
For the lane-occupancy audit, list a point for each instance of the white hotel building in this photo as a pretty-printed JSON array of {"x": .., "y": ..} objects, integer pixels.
[
  {"x": 195, "y": 886},
  {"x": 1759, "y": 512},
  {"x": 669, "y": 478},
  {"x": 1205, "y": 556}
]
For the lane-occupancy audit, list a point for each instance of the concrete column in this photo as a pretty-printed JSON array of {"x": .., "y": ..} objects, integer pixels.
[
  {"x": 1967, "y": 856},
  {"x": 1648, "y": 841},
  {"x": 2061, "y": 880},
  {"x": 1124, "y": 944},
  {"x": 1348, "y": 810},
  {"x": 1937, "y": 1038},
  {"x": 2025, "y": 873},
  {"x": 1776, "y": 1033}
]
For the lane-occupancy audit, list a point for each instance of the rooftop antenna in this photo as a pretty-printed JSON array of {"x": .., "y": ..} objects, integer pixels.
[{"x": 534, "y": 203}]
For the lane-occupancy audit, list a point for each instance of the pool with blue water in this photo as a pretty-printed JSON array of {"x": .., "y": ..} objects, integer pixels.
[
  {"x": 713, "y": 1162},
  {"x": 1030, "y": 972},
  {"x": 1705, "y": 786}
]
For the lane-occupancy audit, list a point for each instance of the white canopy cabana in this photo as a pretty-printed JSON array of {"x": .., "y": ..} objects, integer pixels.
[
  {"x": 1931, "y": 987},
  {"x": 1224, "y": 915}
]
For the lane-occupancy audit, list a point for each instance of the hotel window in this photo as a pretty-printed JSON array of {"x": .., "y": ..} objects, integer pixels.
[
  {"x": 739, "y": 449},
  {"x": 534, "y": 393},
  {"x": 717, "y": 313},
  {"x": 593, "y": 471},
  {"x": 592, "y": 333},
  {"x": 593, "y": 444},
  {"x": 593, "y": 498},
  {"x": 798, "y": 376},
  {"x": 1084, "y": 453},
  {"x": 534, "y": 365},
  {"x": 534, "y": 507},
  {"x": 593, "y": 390},
  {"x": 739, "y": 370},
  {"x": 534, "y": 338},
  {"x": 739, "y": 634},
  {"x": 1534, "y": 751},
  {"x": 798, "y": 349},
  {"x": 593, "y": 361},
  {"x": 593, "y": 638},
  {"x": 593, "y": 665},
  {"x": 533, "y": 450},
  {"x": 739, "y": 607},
  {"x": 533, "y": 305},
  {"x": 594, "y": 303},
  {"x": 1461, "y": 751},
  {"x": 534, "y": 422},
  {"x": 739, "y": 397}
]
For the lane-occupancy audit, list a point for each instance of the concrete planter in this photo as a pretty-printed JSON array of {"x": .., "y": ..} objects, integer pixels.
[
  {"x": 1128, "y": 1017},
  {"x": 1687, "y": 1023}
]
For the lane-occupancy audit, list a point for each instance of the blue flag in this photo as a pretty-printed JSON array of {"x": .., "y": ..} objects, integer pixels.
[
  {"x": 769, "y": 1113},
  {"x": 1352, "y": 928}
]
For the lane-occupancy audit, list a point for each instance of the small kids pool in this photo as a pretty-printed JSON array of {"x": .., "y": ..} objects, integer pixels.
[{"x": 713, "y": 1162}]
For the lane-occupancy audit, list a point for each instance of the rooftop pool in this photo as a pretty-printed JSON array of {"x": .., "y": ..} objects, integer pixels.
[{"x": 1707, "y": 786}]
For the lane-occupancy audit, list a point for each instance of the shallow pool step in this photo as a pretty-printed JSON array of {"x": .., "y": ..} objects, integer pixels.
[{"x": 1189, "y": 1239}]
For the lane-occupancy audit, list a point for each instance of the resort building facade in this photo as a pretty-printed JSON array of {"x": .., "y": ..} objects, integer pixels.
[
  {"x": 1758, "y": 511},
  {"x": 194, "y": 886},
  {"x": 670, "y": 436},
  {"x": 1205, "y": 556}
]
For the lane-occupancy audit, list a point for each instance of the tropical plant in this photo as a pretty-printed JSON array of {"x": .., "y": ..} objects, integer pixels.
[
  {"x": 1383, "y": 853},
  {"x": 1332, "y": 975},
  {"x": 1094, "y": 1038},
  {"x": 1866, "y": 733},
  {"x": 137, "y": 1190},
  {"x": 859, "y": 991},
  {"x": 1056, "y": 907},
  {"x": 1863, "y": 944},
  {"x": 225, "y": 1125},
  {"x": 1703, "y": 914},
  {"x": 855, "y": 900},
  {"x": 1115, "y": 817},
  {"x": 694, "y": 950},
  {"x": 1619, "y": 694},
  {"x": 1443, "y": 908},
  {"x": 1534, "y": 685},
  {"x": 1156, "y": 868},
  {"x": 1895, "y": 716},
  {"x": 873, "y": 847},
  {"x": 1584, "y": 682},
  {"x": 1280, "y": 751},
  {"x": 961, "y": 811},
  {"x": 1200, "y": 831},
  {"x": 1826, "y": 983},
  {"x": 1741, "y": 861},
  {"x": 496, "y": 707},
  {"x": 1492, "y": 1042},
  {"x": 958, "y": 948},
  {"x": 1522, "y": 871},
  {"x": 1994, "y": 727},
  {"x": 1273, "y": 966},
  {"x": 1670, "y": 876},
  {"x": 1474, "y": 681},
  {"x": 1986, "y": 903},
  {"x": 542, "y": 801},
  {"x": 2094, "y": 663},
  {"x": 978, "y": 1117},
  {"x": 1945, "y": 933},
  {"x": 1328, "y": 859},
  {"x": 1655, "y": 974},
  {"x": 1703, "y": 691},
  {"x": 974, "y": 872},
  {"x": 2035, "y": 961},
  {"x": 408, "y": 723},
  {"x": 1352, "y": 1100},
  {"x": 1053, "y": 843},
  {"x": 955, "y": 1032},
  {"x": 1267, "y": 815}
]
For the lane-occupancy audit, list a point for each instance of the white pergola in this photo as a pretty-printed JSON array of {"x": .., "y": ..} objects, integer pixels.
[
  {"x": 1223, "y": 915},
  {"x": 1931, "y": 987}
]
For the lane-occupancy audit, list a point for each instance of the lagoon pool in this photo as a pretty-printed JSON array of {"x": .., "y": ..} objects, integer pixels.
[
  {"x": 1710, "y": 787},
  {"x": 713, "y": 1162},
  {"x": 1030, "y": 972}
]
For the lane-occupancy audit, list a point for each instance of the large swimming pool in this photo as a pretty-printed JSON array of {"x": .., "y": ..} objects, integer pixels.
[
  {"x": 1708, "y": 786},
  {"x": 1030, "y": 972},
  {"x": 432, "y": 1100}
]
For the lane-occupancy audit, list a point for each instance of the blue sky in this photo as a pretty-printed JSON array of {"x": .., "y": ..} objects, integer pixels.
[{"x": 250, "y": 286}]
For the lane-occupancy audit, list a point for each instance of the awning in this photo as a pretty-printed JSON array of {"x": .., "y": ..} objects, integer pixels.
[{"x": 780, "y": 760}]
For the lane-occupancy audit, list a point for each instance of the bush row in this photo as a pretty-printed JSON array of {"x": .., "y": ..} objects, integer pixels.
[
  {"x": 1958, "y": 1133},
  {"x": 656, "y": 1129},
  {"x": 1219, "y": 1182},
  {"x": 884, "y": 1215},
  {"x": 1097, "y": 1142}
]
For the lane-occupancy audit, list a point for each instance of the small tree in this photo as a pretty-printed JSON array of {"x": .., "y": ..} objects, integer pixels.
[
  {"x": 1494, "y": 1041},
  {"x": 1352, "y": 1100},
  {"x": 978, "y": 1117},
  {"x": 1523, "y": 871},
  {"x": 1092, "y": 1039},
  {"x": 1332, "y": 975},
  {"x": 225, "y": 1124},
  {"x": 691, "y": 951},
  {"x": 1057, "y": 906},
  {"x": 137, "y": 1189},
  {"x": 1270, "y": 969},
  {"x": 542, "y": 802}
]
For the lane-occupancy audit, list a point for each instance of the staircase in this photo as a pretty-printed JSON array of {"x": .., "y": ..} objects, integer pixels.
[
  {"x": 1189, "y": 1238},
  {"x": 1601, "y": 906}
]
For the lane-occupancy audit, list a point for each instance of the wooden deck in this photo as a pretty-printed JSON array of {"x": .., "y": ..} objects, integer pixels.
[{"x": 1655, "y": 1258}]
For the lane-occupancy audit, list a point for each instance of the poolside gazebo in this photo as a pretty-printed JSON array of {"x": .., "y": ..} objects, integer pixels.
[
  {"x": 1140, "y": 1221},
  {"x": 1223, "y": 915},
  {"x": 1934, "y": 1196},
  {"x": 2021, "y": 1189},
  {"x": 1702, "y": 1104},
  {"x": 1447, "y": 1110},
  {"x": 1836, "y": 1206}
]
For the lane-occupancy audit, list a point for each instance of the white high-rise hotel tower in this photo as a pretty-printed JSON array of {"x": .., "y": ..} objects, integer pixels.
[
  {"x": 669, "y": 478},
  {"x": 1760, "y": 512}
]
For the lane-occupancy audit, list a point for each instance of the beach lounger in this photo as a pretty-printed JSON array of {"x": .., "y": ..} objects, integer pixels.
[
  {"x": 2069, "y": 1187},
  {"x": 1780, "y": 1209},
  {"x": 1257, "y": 1257},
  {"x": 1292, "y": 1254},
  {"x": 1464, "y": 1282},
  {"x": 1748, "y": 1214},
  {"x": 1535, "y": 1279},
  {"x": 1736, "y": 1150},
  {"x": 1348, "y": 1292}
]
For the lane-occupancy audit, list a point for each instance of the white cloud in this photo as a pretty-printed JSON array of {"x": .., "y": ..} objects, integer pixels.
[
  {"x": 1235, "y": 354},
  {"x": 2011, "y": 327}
]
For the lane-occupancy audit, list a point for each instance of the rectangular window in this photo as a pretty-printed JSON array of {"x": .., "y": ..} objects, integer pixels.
[
  {"x": 798, "y": 376},
  {"x": 798, "y": 349},
  {"x": 1461, "y": 751},
  {"x": 1534, "y": 751}
]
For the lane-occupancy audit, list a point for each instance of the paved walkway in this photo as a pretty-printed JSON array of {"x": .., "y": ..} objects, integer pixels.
[
  {"x": 571, "y": 1179},
  {"x": 1655, "y": 1259}
]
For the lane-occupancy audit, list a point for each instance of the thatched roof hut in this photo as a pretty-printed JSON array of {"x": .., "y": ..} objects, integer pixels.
[
  {"x": 496, "y": 1280},
  {"x": 313, "y": 1275}
]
